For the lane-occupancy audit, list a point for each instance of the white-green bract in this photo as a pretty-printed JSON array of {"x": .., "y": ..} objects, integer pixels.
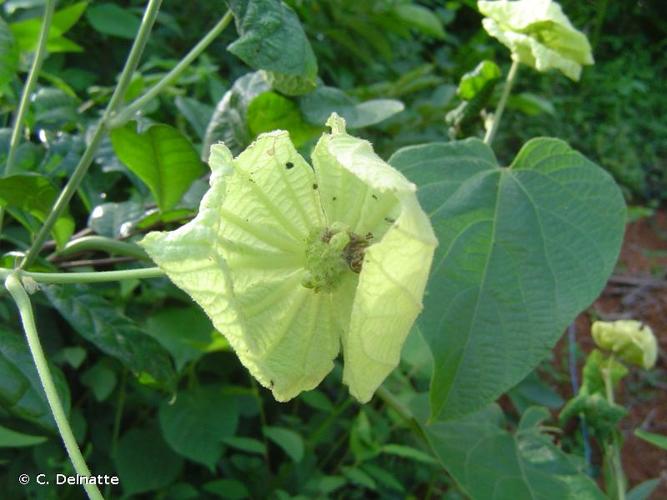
[
  {"x": 291, "y": 261},
  {"x": 538, "y": 34}
]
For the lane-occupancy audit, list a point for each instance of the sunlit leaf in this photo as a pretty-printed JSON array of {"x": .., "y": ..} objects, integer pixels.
[{"x": 162, "y": 157}]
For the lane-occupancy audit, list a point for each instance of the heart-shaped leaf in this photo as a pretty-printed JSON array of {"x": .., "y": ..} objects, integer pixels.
[{"x": 522, "y": 251}]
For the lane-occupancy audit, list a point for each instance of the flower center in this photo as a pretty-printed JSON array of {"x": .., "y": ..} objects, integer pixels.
[{"x": 330, "y": 253}]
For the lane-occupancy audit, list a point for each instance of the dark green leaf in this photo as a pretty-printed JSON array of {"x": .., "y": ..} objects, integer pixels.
[
  {"x": 9, "y": 55},
  {"x": 489, "y": 462},
  {"x": 358, "y": 476},
  {"x": 316, "y": 107},
  {"x": 195, "y": 112},
  {"x": 101, "y": 379},
  {"x": 112, "y": 332},
  {"x": 111, "y": 19},
  {"x": 270, "y": 111},
  {"x": 530, "y": 104},
  {"x": 115, "y": 220},
  {"x": 227, "y": 488},
  {"x": 272, "y": 38},
  {"x": 288, "y": 440},
  {"x": 13, "y": 439},
  {"x": 21, "y": 392},
  {"x": 162, "y": 157},
  {"x": 228, "y": 123},
  {"x": 54, "y": 108},
  {"x": 35, "y": 195},
  {"x": 186, "y": 332},
  {"x": 197, "y": 422},
  {"x": 522, "y": 251},
  {"x": 420, "y": 18},
  {"x": 145, "y": 462},
  {"x": 248, "y": 445}
]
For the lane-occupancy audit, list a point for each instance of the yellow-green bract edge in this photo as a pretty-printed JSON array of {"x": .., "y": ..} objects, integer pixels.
[{"x": 243, "y": 260}]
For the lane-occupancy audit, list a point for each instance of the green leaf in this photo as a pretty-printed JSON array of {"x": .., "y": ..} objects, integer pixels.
[
  {"x": 111, "y": 19},
  {"x": 162, "y": 157},
  {"x": 318, "y": 105},
  {"x": 485, "y": 75},
  {"x": 115, "y": 220},
  {"x": 9, "y": 55},
  {"x": 13, "y": 439},
  {"x": 145, "y": 462},
  {"x": 228, "y": 123},
  {"x": 403, "y": 451},
  {"x": 643, "y": 490},
  {"x": 420, "y": 18},
  {"x": 489, "y": 462},
  {"x": 21, "y": 392},
  {"x": 290, "y": 442},
  {"x": 186, "y": 333},
  {"x": 35, "y": 195},
  {"x": 98, "y": 321},
  {"x": 26, "y": 32},
  {"x": 197, "y": 422},
  {"x": 227, "y": 488},
  {"x": 100, "y": 379},
  {"x": 248, "y": 445},
  {"x": 531, "y": 104},
  {"x": 54, "y": 109},
  {"x": 359, "y": 477},
  {"x": 522, "y": 251},
  {"x": 658, "y": 440},
  {"x": 270, "y": 111},
  {"x": 195, "y": 112},
  {"x": 272, "y": 38}
]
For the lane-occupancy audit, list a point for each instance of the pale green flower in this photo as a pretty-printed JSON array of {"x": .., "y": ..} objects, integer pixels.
[
  {"x": 291, "y": 261},
  {"x": 632, "y": 341},
  {"x": 538, "y": 34}
]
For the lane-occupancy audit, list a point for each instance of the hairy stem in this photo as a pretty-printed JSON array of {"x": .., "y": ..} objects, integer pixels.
[
  {"x": 14, "y": 287},
  {"x": 24, "y": 103},
  {"x": 127, "y": 113},
  {"x": 613, "y": 448},
  {"x": 511, "y": 76},
  {"x": 87, "y": 158},
  {"x": 88, "y": 277}
]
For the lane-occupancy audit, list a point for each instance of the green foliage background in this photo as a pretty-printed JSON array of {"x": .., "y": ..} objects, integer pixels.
[{"x": 153, "y": 388}]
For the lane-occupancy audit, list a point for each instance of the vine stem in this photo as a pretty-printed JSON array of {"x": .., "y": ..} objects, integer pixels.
[
  {"x": 18, "y": 293},
  {"x": 87, "y": 277},
  {"x": 509, "y": 82},
  {"x": 81, "y": 169},
  {"x": 127, "y": 113},
  {"x": 613, "y": 448},
  {"x": 24, "y": 103}
]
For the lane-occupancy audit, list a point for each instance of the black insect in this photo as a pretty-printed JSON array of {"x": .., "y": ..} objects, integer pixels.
[
  {"x": 314, "y": 186},
  {"x": 289, "y": 165}
]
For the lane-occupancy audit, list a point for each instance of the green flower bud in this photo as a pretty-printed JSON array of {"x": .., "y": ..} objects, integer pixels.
[{"x": 630, "y": 340}]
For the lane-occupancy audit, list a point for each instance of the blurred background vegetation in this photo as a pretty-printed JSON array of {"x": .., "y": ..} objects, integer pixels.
[{"x": 371, "y": 50}]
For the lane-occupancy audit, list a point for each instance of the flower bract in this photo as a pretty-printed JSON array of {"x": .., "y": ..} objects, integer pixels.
[{"x": 292, "y": 261}]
